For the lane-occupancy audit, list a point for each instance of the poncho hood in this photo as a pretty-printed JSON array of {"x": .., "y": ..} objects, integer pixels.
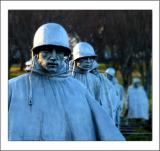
[
  {"x": 37, "y": 68},
  {"x": 62, "y": 109}
]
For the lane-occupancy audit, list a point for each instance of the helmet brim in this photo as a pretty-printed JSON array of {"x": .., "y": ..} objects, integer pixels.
[
  {"x": 77, "y": 58},
  {"x": 37, "y": 49}
]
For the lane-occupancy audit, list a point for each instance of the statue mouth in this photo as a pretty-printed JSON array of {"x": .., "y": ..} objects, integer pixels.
[
  {"x": 52, "y": 64},
  {"x": 86, "y": 65}
]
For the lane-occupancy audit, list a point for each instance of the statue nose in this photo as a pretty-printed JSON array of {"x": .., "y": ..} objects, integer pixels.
[
  {"x": 53, "y": 55},
  {"x": 88, "y": 59}
]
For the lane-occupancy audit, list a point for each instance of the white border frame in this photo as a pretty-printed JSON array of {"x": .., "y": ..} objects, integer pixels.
[{"x": 95, "y": 5}]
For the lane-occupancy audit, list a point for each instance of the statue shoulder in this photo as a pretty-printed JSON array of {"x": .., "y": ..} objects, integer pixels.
[
  {"x": 78, "y": 85},
  {"x": 18, "y": 79}
]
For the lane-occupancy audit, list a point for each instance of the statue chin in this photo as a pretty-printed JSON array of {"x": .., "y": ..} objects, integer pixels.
[
  {"x": 83, "y": 69},
  {"x": 86, "y": 68},
  {"x": 52, "y": 69}
]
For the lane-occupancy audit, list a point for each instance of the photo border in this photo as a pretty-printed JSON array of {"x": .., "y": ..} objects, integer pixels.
[{"x": 79, "y": 5}]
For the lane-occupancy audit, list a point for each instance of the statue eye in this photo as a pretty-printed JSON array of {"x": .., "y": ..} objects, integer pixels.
[{"x": 45, "y": 52}]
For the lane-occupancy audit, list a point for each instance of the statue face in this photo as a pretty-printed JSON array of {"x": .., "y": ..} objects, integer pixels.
[
  {"x": 136, "y": 85},
  {"x": 109, "y": 77},
  {"x": 85, "y": 63},
  {"x": 51, "y": 60}
]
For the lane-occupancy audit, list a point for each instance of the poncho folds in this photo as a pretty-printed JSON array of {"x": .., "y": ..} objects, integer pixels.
[
  {"x": 107, "y": 102},
  {"x": 56, "y": 107},
  {"x": 91, "y": 82}
]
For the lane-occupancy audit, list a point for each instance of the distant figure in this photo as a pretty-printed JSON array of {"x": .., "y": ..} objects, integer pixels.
[
  {"x": 115, "y": 94},
  {"x": 28, "y": 66},
  {"x": 138, "y": 103}
]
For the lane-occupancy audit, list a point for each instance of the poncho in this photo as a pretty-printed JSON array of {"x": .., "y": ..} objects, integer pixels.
[
  {"x": 55, "y": 107},
  {"x": 107, "y": 102},
  {"x": 115, "y": 97},
  {"x": 138, "y": 103},
  {"x": 91, "y": 82}
]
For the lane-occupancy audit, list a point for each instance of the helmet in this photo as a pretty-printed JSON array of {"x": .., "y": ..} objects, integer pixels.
[
  {"x": 51, "y": 35},
  {"x": 83, "y": 49},
  {"x": 111, "y": 71}
]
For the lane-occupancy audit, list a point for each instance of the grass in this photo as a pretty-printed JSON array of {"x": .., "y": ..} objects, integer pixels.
[{"x": 15, "y": 71}]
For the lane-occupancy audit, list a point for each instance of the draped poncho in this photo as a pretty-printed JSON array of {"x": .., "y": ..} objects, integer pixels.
[
  {"x": 55, "y": 107},
  {"x": 138, "y": 103},
  {"x": 91, "y": 82},
  {"x": 107, "y": 102}
]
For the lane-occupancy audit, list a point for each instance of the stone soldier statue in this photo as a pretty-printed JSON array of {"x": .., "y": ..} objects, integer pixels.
[
  {"x": 137, "y": 100},
  {"x": 122, "y": 96},
  {"x": 48, "y": 104},
  {"x": 115, "y": 94},
  {"x": 105, "y": 87},
  {"x": 83, "y": 57}
]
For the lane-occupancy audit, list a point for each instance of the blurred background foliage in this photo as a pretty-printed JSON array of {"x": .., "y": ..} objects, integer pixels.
[{"x": 121, "y": 38}]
